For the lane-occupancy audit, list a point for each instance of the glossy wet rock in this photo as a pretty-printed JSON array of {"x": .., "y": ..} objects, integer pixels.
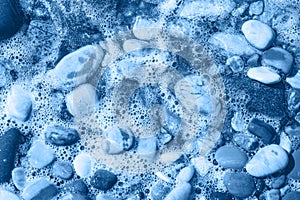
[
  {"x": 83, "y": 164},
  {"x": 231, "y": 157},
  {"x": 76, "y": 186},
  {"x": 293, "y": 195},
  {"x": 103, "y": 180},
  {"x": 40, "y": 189},
  {"x": 180, "y": 192},
  {"x": 262, "y": 130},
  {"x": 61, "y": 136},
  {"x": 62, "y": 169},
  {"x": 40, "y": 155},
  {"x": 264, "y": 75}
]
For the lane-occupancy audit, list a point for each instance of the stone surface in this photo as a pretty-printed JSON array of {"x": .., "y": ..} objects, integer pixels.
[
  {"x": 40, "y": 189},
  {"x": 258, "y": 34},
  {"x": 19, "y": 177},
  {"x": 294, "y": 81},
  {"x": 235, "y": 63},
  {"x": 295, "y": 173},
  {"x": 278, "y": 182},
  {"x": 201, "y": 165},
  {"x": 19, "y": 104},
  {"x": 159, "y": 191},
  {"x": 249, "y": 143},
  {"x": 262, "y": 130},
  {"x": 9, "y": 144},
  {"x": 104, "y": 197},
  {"x": 267, "y": 160},
  {"x": 83, "y": 164},
  {"x": 82, "y": 100},
  {"x": 71, "y": 196},
  {"x": 40, "y": 155},
  {"x": 146, "y": 29},
  {"x": 292, "y": 196},
  {"x": 76, "y": 186},
  {"x": 61, "y": 136},
  {"x": 239, "y": 184},
  {"x": 272, "y": 194},
  {"x": 62, "y": 169},
  {"x": 11, "y": 18},
  {"x": 180, "y": 192},
  {"x": 278, "y": 58},
  {"x": 103, "y": 180},
  {"x": 77, "y": 67},
  {"x": 256, "y": 8},
  {"x": 264, "y": 75},
  {"x": 186, "y": 174},
  {"x": 6, "y": 195},
  {"x": 293, "y": 100},
  {"x": 231, "y": 157}
]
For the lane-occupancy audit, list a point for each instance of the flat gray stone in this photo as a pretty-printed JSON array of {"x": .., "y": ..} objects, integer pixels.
[
  {"x": 40, "y": 155},
  {"x": 239, "y": 184},
  {"x": 231, "y": 157},
  {"x": 62, "y": 169}
]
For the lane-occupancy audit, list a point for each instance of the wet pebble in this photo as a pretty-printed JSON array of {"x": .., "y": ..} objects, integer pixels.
[
  {"x": 294, "y": 81},
  {"x": 159, "y": 191},
  {"x": 6, "y": 195},
  {"x": 19, "y": 177},
  {"x": 40, "y": 155},
  {"x": 19, "y": 104},
  {"x": 83, "y": 164},
  {"x": 278, "y": 182},
  {"x": 11, "y": 18},
  {"x": 9, "y": 144},
  {"x": 256, "y": 8},
  {"x": 258, "y": 34},
  {"x": 292, "y": 196},
  {"x": 186, "y": 174},
  {"x": 247, "y": 142},
  {"x": 267, "y": 160},
  {"x": 40, "y": 189},
  {"x": 262, "y": 130},
  {"x": 264, "y": 75},
  {"x": 231, "y": 157},
  {"x": 235, "y": 63},
  {"x": 180, "y": 192},
  {"x": 272, "y": 194},
  {"x": 278, "y": 58},
  {"x": 62, "y": 169},
  {"x": 239, "y": 184},
  {"x": 76, "y": 186},
  {"x": 103, "y": 180},
  {"x": 295, "y": 173},
  {"x": 61, "y": 136}
]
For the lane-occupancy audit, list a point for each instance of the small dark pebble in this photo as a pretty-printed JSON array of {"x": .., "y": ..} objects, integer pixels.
[
  {"x": 77, "y": 186},
  {"x": 61, "y": 136},
  {"x": 262, "y": 130},
  {"x": 103, "y": 179}
]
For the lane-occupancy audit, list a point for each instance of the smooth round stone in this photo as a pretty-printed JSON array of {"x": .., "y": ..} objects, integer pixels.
[
  {"x": 186, "y": 174},
  {"x": 6, "y": 195},
  {"x": 278, "y": 58},
  {"x": 62, "y": 170},
  {"x": 83, "y": 164},
  {"x": 267, "y": 161},
  {"x": 76, "y": 186},
  {"x": 103, "y": 180},
  {"x": 180, "y": 192},
  {"x": 231, "y": 157},
  {"x": 9, "y": 144},
  {"x": 264, "y": 75},
  {"x": 239, "y": 184},
  {"x": 40, "y": 189},
  {"x": 11, "y": 18},
  {"x": 262, "y": 130},
  {"x": 19, "y": 177},
  {"x": 61, "y": 136},
  {"x": 159, "y": 191},
  {"x": 40, "y": 155},
  {"x": 19, "y": 104},
  {"x": 295, "y": 173},
  {"x": 258, "y": 34},
  {"x": 292, "y": 196}
]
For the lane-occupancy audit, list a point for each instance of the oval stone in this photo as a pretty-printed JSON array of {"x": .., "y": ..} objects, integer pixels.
[
  {"x": 180, "y": 192},
  {"x": 262, "y": 130},
  {"x": 292, "y": 196},
  {"x": 267, "y": 161},
  {"x": 103, "y": 179},
  {"x": 239, "y": 184},
  {"x": 295, "y": 173},
  {"x": 264, "y": 75},
  {"x": 231, "y": 157},
  {"x": 61, "y": 136}
]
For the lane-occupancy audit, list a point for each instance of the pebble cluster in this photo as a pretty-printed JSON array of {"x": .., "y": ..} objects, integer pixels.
[{"x": 89, "y": 116}]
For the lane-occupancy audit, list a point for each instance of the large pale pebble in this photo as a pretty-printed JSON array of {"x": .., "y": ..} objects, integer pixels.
[
  {"x": 180, "y": 192},
  {"x": 83, "y": 164}
]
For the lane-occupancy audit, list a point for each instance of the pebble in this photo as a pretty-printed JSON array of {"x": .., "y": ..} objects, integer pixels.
[
  {"x": 293, "y": 100},
  {"x": 11, "y": 18},
  {"x": 186, "y": 174},
  {"x": 231, "y": 157},
  {"x": 118, "y": 140},
  {"x": 237, "y": 122},
  {"x": 180, "y": 192},
  {"x": 6, "y": 195},
  {"x": 253, "y": 61},
  {"x": 285, "y": 142},
  {"x": 76, "y": 68},
  {"x": 294, "y": 195},
  {"x": 146, "y": 29},
  {"x": 262, "y": 130},
  {"x": 62, "y": 170},
  {"x": 278, "y": 182},
  {"x": 235, "y": 63},
  {"x": 206, "y": 8},
  {"x": 40, "y": 155},
  {"x": 71, "y": 196},
  {"x": 19, "y": 104},
  {"x": 61, "y": 136},
  {"x": 248, "y": 143},
  {"x": 256, "y": 8},
  {"x": 294, "y": 81},
  {"x": 258, "y": 34},
  {"x": 267, "y": 160},
  {"x": 9, "y": 144},
  {"x": 82, "y": 100},
  {"x": 272, "y": 194},
  {"x": 295, "y": 173},
  {"x": 19, "y": 177},
  {"x": 239, "y": 184},
  {"x": 76, "y": 186},
  {"x": 292, "y": 129},
  {"x": 103, "y": 180},
  {"x": 159, "y": 191},
  {"x": 201, "y": 164},
  {"x": 40, "y": 189},
  {"x": 264, "y": 75},
  {"x": 234, "y": 44},
  {"x": 83, "y": 164},
  {"x": 147, "y": 147},
  {"x": 278, "y": 58}
]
